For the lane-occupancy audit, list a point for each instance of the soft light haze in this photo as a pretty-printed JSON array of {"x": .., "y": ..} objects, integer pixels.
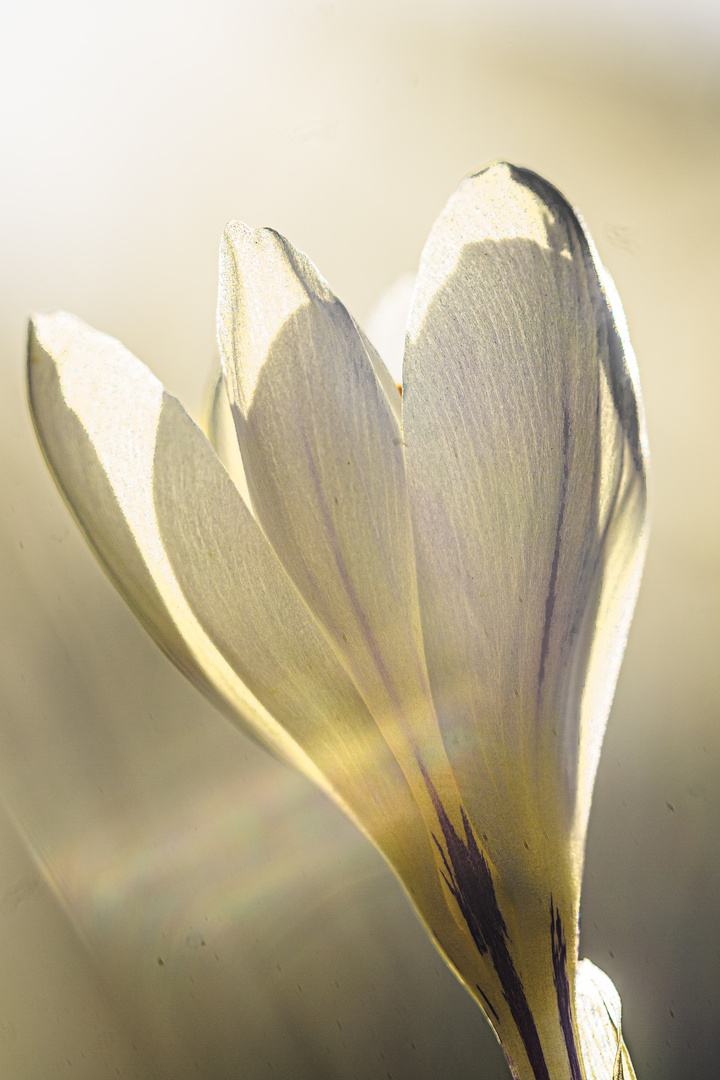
[{"x": 138, "y": 826}]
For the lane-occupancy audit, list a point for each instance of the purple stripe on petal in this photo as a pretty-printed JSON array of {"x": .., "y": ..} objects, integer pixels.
[{"x": 562, "y": 989}]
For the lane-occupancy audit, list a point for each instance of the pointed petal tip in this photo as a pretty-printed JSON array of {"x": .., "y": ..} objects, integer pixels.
[
  {"x": 237, "y": 231},
  {"x": 497, "y": 165},
  {"x": 509, "y": 179},
  {"x": 236, "y": 225},
  {"x": 502, "y": 169},
  {"x": 243, "y": 248},
  {"x": 258, "y": 260},
  {"x": 265, "y": 269},
  {"x": 60, "y": 334},
  {"x": 44, "y": 326},
  {"x": 51, "y": 335},
  {"x": 242, "y": 237},
  {"x": 235, "y": 239}
]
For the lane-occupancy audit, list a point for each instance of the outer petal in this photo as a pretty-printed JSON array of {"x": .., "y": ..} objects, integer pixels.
[
  {"x": 524, "y": 454},
  {"x": 176, "y": 537},
  {"x": 525, "y": 462}
]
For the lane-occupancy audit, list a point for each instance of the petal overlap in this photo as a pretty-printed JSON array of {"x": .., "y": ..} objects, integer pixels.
[
  {"x": 175, "y": 535},
  {"x": 317, "y": 420},
  {"x": 421, "y": 605},
  {"x": 128, "y": 457}
]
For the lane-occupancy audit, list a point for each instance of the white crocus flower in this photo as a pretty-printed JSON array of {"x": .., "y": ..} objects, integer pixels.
[{"x": 422, "y": 603}]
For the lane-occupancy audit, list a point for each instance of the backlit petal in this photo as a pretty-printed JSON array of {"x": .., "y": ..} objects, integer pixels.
[
  {"x": 317, "y": 418},
  {"x": 524, "y": 451},
  {"x": 176, "y": 537},
  {"x": 599, "y": 1015},
  {"x": 426, "y": 619},
  {"x": 243, "y": 598}
]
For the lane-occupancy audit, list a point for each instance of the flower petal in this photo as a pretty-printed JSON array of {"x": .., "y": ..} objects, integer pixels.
[
  {"x": 525, "y": 463},
  {"x": 599, "y": 1014},
  {"x": 231, "y": 579},
  {"x": 96, "y": 409},
  {"x": 178, "y": 541},
  {"x": 323, "y": 455},
  {"x": 316, "y": 414},
  {"x": 243, "y": 598},
  {"x": 175, "y": 536}
]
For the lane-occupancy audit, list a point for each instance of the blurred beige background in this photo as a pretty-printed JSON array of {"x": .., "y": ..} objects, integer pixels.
[{"x": 172, "y": 902}]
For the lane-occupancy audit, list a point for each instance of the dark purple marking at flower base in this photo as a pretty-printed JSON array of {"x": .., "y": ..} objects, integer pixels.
[
  {"x": 469, "y": 881},
  {"x": 562, "y": 989}
]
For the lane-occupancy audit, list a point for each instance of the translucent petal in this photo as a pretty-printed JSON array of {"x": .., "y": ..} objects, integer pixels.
[
  {"x": 243, "y": 597},
  {"x": 436, "y": 648},
  {"x": 316, "y": 415},
  {"x": 525, "y": 463},
  {"x": 324, "y": 461},
  {"x": 599, "y": 1012},
  {"x": 96, "y": 410},
  {"x": 176, "y": 537}
]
